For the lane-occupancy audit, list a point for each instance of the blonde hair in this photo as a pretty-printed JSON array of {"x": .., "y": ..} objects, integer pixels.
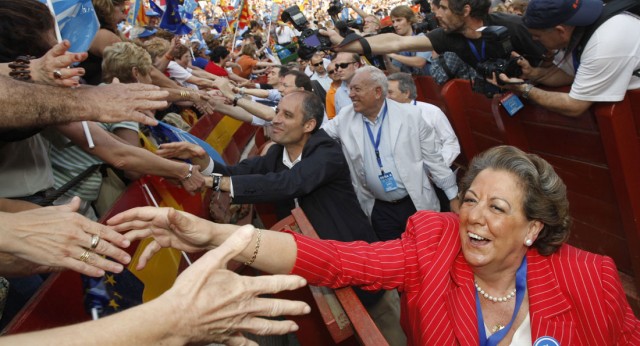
[{"x": 120, "y": 58}]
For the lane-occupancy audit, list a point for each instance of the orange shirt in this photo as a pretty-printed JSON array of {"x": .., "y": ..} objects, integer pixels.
[
  {"x": 247, "y": 64},
  {"x": 330, "y": 101}
]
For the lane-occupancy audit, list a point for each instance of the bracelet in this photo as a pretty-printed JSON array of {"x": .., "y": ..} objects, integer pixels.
[
  {"x": 20, "y": 68},
  {"x": 526, "y": 90},
  {"x": 185, "y": 95},
  {"x": 236, "y": 99},
  {"x": 217, "y": 178},
  {"x": 168, "y": 56},
  {"x": 255, "y": 251},
  {"x": 190, "y": 173}
]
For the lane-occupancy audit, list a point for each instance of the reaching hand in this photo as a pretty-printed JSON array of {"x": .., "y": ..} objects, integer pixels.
[
  {"x": 167, "y": 226},
  {"x": 117, "y": 102},
  {"x": 59, "y": 237},
  {"x": 52, "y": 67},
  {"x": 219, "y": 305},
  {"x": 183, "y": 151}
]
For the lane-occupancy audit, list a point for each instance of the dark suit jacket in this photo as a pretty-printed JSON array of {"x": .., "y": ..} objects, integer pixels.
[{"x": 320, "y": 181}]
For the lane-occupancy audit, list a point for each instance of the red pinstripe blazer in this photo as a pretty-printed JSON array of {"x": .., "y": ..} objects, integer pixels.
[{"x": 575, "y": 296}]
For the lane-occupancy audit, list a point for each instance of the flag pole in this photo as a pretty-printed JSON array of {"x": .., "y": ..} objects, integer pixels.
[
  {"x": 235, "y": 32},
  {"x": 85, "y": 125}
]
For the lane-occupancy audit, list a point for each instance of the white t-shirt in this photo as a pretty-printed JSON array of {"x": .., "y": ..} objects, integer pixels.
[
  {"x": 180, "y": 74},
  {"x": 446, "y": 138},
  {"x": 284, "y": 35},
  {"x": 608, "y": 61}
]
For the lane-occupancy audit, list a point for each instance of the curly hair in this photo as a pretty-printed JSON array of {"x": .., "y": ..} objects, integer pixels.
[
  {"x": 24, "y": 26},
  {"x": 545, "y": 195}
]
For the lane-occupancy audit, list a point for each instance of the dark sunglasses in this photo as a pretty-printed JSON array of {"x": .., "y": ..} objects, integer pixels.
[
  {"x": 331, "y": 72},
  {"x": 344, "y": 65},
  {"x": 317, "y": 64}
]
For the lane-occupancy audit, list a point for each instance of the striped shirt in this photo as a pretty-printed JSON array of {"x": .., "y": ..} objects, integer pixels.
[
  {"x": 574, "y": 296},
  {"x": 68, "y": 161}
]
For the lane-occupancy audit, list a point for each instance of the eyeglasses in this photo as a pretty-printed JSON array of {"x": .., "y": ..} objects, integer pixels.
[
  {"x": 331, "y": 72},
  {"x": 317, "y": 64},
  {"x": 344, "y": 65}
]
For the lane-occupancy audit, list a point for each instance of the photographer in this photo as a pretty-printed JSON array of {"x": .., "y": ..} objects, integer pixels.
[
  {"x": 371, "y": 23},
  {"x": 608, "y": 66},
  {"x": 459, "y": 21},
  {"x": 416, "y": 63}
]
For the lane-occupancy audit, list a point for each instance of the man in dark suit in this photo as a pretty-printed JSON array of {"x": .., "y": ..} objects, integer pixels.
[
  {"x": 307, "y": 168},
  {"x": 304, "y": 168}
]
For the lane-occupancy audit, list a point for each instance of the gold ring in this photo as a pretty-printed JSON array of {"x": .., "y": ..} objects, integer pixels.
[
  {"x": 95, "y": 239},
  {"x": 57, "y": 74},
  {"x": 85, "y": 256}
]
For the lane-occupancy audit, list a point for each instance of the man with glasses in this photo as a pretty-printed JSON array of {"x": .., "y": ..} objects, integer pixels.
[
  {"x": 346, "y": 66},
  {"x": 330, "y": 101},
  {"x": 320, "y": 72}
]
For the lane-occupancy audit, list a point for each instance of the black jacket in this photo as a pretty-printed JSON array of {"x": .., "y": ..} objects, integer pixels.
[{"x": 320, "y": 181}]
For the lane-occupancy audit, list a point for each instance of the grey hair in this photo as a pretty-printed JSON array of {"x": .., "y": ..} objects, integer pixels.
[
  {"x": 405, "y": 83},
  {"x": 545, "y": 195},
  {"x": 376, "y": 76}
]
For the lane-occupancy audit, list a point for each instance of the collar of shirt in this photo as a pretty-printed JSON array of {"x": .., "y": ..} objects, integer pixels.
[
  {"x": 378, "y": 117},
  {"x": 287, "y": 161}
]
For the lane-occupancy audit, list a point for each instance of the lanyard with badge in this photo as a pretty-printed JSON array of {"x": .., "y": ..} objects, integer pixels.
[{"x": 386, "y": 178}]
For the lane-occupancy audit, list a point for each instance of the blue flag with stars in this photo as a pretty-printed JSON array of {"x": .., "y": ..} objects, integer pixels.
[{"x": 171, "y": 20}]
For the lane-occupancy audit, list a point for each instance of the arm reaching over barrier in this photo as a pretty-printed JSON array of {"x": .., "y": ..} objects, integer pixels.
[
  {"x": 58, "y": 237},
  {"x": 207, "y": 304}
]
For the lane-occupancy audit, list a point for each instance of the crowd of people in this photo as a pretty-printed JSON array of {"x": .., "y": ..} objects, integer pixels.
[{"x": 434, "y": 259}]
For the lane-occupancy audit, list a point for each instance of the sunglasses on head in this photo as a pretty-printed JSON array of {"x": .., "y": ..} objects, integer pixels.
[
  {"x": 317, "y": 64},
  {"x": 344, "y": 65}
]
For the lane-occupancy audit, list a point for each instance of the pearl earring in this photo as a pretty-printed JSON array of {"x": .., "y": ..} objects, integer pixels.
[{"x": 528, "y": 242}]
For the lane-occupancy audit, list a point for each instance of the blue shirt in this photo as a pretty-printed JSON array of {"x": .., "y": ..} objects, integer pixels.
[{"x": 342, "y": 98}]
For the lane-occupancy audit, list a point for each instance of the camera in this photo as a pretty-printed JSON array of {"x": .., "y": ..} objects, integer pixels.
[
  {"x": 309, "y": 41},
  {"x": 429, "y": 22},
  {"x": 499, "y": 43},
  {"x": 335, "y": 8}
]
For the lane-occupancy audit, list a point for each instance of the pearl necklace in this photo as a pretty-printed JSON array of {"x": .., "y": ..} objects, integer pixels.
[{"x": 492, "y": 298}]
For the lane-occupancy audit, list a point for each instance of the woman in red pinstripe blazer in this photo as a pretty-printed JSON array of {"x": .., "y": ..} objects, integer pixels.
[{"x": 497, "y": 274}]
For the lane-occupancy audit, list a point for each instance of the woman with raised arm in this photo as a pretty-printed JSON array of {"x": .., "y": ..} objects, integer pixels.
[{"x": 499, "y": 273}]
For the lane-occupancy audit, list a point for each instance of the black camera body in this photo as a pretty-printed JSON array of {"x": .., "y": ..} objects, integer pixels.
[
  {"x": 309, "y": 41},
  {"x": 499, "y": 39},
  {"x": 335, "y": 8},
  {"x": 429, "y": 22},
  {"x": 509, "y": 67}
]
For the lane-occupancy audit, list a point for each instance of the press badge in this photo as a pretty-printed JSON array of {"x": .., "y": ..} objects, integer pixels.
[
  {"x": 511, "y": 103},
  {"x": 388, "y": 183}
]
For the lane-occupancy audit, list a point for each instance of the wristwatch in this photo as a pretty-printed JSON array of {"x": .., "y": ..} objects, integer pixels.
[
  {"x": 526, "y": 90},
  {"x": 217, "y": 178},
  {"x": 236, "y": 99}
]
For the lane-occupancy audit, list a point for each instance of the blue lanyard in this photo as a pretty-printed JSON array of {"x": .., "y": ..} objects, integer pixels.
[
  {"x": 415, "y": 102},
  {"x": 521, "y": 286},
  {"x": 474, "y": 50},
  {"x": 576, "y": 61},
  {"x": 376, "y": 142}
]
